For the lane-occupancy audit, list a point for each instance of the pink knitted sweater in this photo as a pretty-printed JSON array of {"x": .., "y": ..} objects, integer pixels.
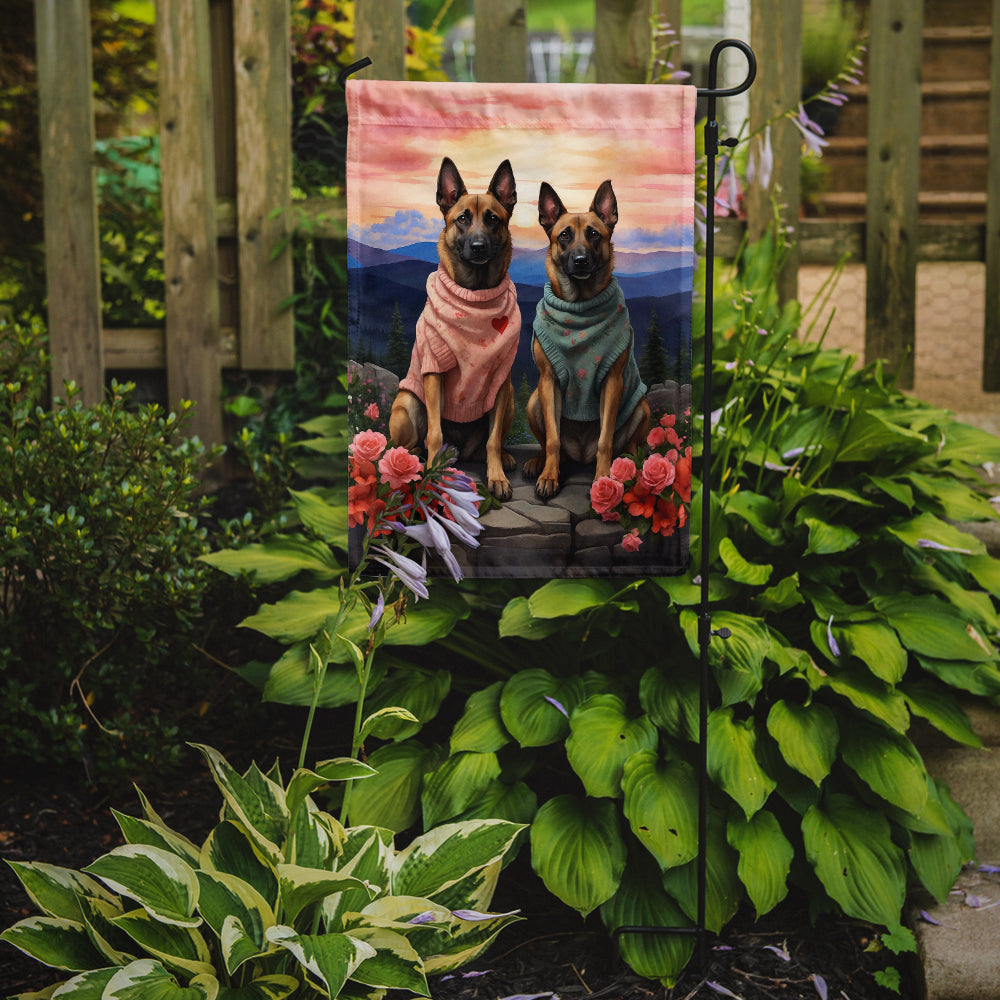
[{"x": 469, "y": 336}]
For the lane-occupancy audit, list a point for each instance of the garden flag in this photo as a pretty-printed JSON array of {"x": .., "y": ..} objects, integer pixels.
[{"x": 521, "y": 260}]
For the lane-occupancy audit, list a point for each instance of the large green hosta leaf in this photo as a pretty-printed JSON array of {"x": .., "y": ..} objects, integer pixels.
[
  {"x": 601, "y": 740},
  {"x": 850, "y": 848},
  {"x": 738, "y": 661},
  {"x": 481, "y": 728},
  {"x": 765, "y": 858},
  {"x": 876, "y": 646},
  {"x": 739, "y": 569},
  {"x": 661, "y": 805},
  {"x": 578, "y": 851},
  {"x": 327, "y": 520},
  {"x": 391, "y": 798},
  {"x": 932, "y": 628},
  {"x": 535, "y": 706},
  {"x": 279, "y": 558},
  {"x": 456, "y": 784},
  {"x": 559, "y": 598},
  {"x": 941, "y": 709},
  {"x": 670, "y": 699},
  {"x": 926, "y": 528},
  {"x": 732, "y": 760},
  {"x": 641, "y": 901},
  {"x": 888, "y": 763},
  {"x": 807, "y": 736},
  {"x": 415, "y": 689}
]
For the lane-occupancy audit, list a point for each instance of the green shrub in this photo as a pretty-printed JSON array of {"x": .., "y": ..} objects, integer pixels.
[
  {"x": 101, "y": 584},
  {"x": 279, "y": 900}
]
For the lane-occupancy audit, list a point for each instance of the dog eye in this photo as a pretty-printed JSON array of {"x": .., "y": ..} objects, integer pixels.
[
  {"x": 491, "y": 219},
  {"x": 593, "y": 235},
  {"x": 566, "y": 235},
  {"x": 465, "y": 218}
]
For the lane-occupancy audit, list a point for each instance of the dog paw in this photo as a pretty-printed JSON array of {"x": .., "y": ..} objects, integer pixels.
[
  {"x": 546, "y": 488},
  {"x": 533, "y": 466},
  {"x": 501, "y": 489},
  {"x": 507, "y": 460}
]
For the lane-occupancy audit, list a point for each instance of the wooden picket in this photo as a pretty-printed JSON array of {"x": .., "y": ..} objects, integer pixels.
[{"x": 226, "y": 160}]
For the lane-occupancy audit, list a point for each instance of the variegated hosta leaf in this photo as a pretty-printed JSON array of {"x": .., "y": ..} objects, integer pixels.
[
  {"x": 456, "y": 784},
  {"x": 54, "y": 941},
  {"x": 141, "y": 831},
  {"x": 535, "y": 706},
  {"x": 329, "y": 959},
  {"x": 86, "y": 986},
  {"x": 481, "y": 727},
  {"x": 850, "y": 847},
  {"x": 230, "y": 849},
  {"x": 807, "y": 736},
  {"x": 441, "y": 857},
  {"x": 274, "y": 987},
  {"x": 602, "y": 738},
  {"x": 765, "y": 858},
  {"x": 578, "y": 851},
  {"x": 395, "y": 964},
  {"x": 723, "y": 889},
  {"x": 642, "y": 902},
  {"x": 301, "y": 887},
  {"x": 99, "y": 915},
  {"x": 177, "y": 947},
  {"x": 56, "y": 891},
  {"x": 147, "y": 979},
  {"x": 476, "y": 890},
  {"x": 732, "y": 760},
  {"x": 315, "y": 838},
  {"x": 888, "y": 763},
  {"x": 158, "y": 880},
  {"x": 304, "y": 782},
  {"x": 224, "y": 897},
  {"x": 467, "y": 940},
  {"x": 661, "y": 805},
  {"x": 256, "y": 801},
  {"x": 367, "y": 853}
]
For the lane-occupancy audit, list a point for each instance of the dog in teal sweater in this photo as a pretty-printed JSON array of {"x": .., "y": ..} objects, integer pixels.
[{"x": 590, "y": 404}]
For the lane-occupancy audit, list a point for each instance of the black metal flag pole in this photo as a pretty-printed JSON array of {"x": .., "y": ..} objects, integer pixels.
[{"x": 705, "y": 631}]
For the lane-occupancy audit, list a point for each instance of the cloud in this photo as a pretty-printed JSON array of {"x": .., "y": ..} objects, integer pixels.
[
  {"x": 643, "y": 239},
  {"x": 405, "y": 227}
]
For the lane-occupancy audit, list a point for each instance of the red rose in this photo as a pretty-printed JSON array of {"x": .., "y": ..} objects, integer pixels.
[
  {"x": 632, "y": 541},
  {"x": 622, "y": 469},
  {"x": 399, "y": 467},
  {"x": 605, "y": 493},
  {"x": 657, "y": 473}
]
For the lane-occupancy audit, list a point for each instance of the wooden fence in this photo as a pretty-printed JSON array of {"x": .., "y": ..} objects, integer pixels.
[{"x": 226, "y": 161}]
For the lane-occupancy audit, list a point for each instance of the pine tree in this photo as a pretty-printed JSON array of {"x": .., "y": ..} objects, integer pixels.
[
  {"x": 397, "y": 349},
  {"x": 654, "y": 365}
]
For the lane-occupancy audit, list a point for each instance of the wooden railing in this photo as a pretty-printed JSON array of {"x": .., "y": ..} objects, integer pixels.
[{"x": 226, "y": 160}]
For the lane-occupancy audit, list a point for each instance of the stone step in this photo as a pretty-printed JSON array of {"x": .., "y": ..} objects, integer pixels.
[{"x": 947, "y": 163}]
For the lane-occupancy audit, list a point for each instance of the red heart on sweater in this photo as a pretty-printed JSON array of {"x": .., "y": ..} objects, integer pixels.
[{"x": 500, "y": 324}]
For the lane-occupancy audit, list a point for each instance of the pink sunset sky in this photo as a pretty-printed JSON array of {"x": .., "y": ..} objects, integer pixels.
[{"x": 573, "y": 136}]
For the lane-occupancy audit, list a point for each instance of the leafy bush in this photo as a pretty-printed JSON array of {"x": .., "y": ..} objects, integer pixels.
[
  {"x": 280, "y": 899},
  {"x": 854, "y": 604},
  {"x": 99, "y": 542}
]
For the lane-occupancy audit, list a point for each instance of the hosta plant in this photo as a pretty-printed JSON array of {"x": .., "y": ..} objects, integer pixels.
[{"x": 279, "y": 900}]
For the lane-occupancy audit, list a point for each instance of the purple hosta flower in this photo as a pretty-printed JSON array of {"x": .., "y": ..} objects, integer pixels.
[
  {"x": 927, "y": 918},
  {"x": 377, "y": 612},
  {"x": 433, "y": 538},
  {"x": 990, "y": 869},
  {"x": 727, "y": 200},
  {"x": 411, "y": 573},
  {"x": 427, "y": 917},
  {"x": 463, "y": 507},
  {"x": 760, "y": 165},
  {"x": 531, "y": 996},
  {"x": 558, "y": 705},
  {"x": 719, "y": 988},
  {"x": 820, "y": 983},
  {"x": 831, "y": 642},
  {"x": 475, "y": 915},
  {"x": 927, "y": 543},
  {"x": 811, "y": 132},
  {"x": 780, "y": 952}
]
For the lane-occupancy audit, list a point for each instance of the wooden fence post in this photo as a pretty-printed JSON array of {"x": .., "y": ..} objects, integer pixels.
[
  {"x": 893, "y": 183},
  {"x": 72, "y": 255},
  {"x": 380, "y": 34},
  {"x": 621, "y": 40},
  {"x": 501, "y": 41},
  {"x": 991, "y": 332},
  {"x": 262, "y": 61},
  {"x": 776, "y": 35},
  {"x": 190, "y": 251}
]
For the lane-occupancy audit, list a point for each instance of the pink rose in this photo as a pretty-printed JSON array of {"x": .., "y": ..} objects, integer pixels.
[
  {"x": 657, "y": 473},
  {"x": 656, "y": 437},
  {"x": 371, "y": 411},
  {"x": 668, "y": 420},
  {"x": 622, "y": 469},
  {"x": 368, "y": 445},
  {"x": 605, "y": 493},
  {"x": 399, "y": 467},
  {"x": 632, "y": 541}
]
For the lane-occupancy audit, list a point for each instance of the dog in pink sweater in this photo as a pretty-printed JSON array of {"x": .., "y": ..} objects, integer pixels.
[{"x": 458, "y": 386}]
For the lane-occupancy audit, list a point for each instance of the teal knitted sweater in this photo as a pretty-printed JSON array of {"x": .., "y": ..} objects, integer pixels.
[{"x": 582, "y": 340}]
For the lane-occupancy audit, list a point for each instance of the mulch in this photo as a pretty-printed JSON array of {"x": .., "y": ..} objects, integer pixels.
[{"x": 552, "y": 952}]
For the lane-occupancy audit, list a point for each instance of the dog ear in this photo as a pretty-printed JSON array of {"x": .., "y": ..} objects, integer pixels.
[
  {"x": 550, "y": 208},
  {"x": 450, "y": 186},
  {"x": 503, "y": 188},
  {"x": 605, "y": 205}
]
